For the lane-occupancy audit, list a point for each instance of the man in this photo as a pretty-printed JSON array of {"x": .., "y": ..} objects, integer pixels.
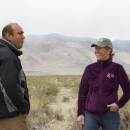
[{"x": 14, "y": 98}]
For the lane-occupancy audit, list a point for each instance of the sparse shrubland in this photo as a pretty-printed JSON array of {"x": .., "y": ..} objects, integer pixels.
[{"x": 54, "y": 103}]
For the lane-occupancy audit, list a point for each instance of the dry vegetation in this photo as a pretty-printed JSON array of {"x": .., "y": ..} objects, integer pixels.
[{"x": 54, "y": 103}]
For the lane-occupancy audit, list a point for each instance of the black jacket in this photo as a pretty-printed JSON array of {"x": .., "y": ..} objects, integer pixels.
[{"x": 14, "y": 98}]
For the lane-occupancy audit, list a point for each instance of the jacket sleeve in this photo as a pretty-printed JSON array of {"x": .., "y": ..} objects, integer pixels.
[
  {"x": 125, "y": 85},
  {"x": 12, "y": 89},
  {"x": 83, "y": 91}
]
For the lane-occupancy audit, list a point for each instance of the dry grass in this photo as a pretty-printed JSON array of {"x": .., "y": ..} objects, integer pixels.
[
  {"x": 73, "y": 118},
  {"x": 65, "y": 99},
  {"x": 43, "y": 91}
]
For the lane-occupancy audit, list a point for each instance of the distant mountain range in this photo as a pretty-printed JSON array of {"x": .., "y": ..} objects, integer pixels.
[{"x": 55, "y": 54}]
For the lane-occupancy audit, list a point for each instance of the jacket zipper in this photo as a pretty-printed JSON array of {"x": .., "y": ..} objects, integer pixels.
[{"x": 100, "y": 87}]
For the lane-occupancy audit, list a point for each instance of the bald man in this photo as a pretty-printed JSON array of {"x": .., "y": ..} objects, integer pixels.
[{"x": 14, "y": 98}]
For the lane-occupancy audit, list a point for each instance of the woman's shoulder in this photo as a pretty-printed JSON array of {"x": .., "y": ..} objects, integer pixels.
[
  {"x": 119, "y": 67},
  {"x": 117, "y": 64},
  {"x": 92, "y": 65}
]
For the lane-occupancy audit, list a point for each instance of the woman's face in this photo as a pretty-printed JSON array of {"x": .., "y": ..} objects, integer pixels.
[{"x": 102, "y": 53}]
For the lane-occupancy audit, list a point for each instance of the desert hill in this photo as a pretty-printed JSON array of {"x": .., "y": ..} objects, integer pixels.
[{"x": 55, "y": 54}]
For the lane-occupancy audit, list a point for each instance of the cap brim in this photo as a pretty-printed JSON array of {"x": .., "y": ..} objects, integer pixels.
[
  {"x": 93, "y": 45},
  {"x": 98, "y": 44}
]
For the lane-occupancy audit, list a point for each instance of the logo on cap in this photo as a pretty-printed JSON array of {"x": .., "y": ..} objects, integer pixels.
[{"x": 101, "y": 39}]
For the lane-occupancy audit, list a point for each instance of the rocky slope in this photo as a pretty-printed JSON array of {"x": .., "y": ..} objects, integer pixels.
[{"x": 54, "y": 54}]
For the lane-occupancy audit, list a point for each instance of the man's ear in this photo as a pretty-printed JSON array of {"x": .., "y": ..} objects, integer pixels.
[{"x": 8, "y": 36}]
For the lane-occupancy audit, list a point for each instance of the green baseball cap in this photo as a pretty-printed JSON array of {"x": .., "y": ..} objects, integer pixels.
[{"x": 103, "y": 42}]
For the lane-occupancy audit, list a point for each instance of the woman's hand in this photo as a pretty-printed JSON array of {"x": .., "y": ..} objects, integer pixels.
[
  {"x": 113, "y": 107},
  {"x": 80, "y": 121}
]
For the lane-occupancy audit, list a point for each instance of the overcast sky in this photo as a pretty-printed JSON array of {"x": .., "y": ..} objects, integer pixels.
[{"x": 80, "y": 18}]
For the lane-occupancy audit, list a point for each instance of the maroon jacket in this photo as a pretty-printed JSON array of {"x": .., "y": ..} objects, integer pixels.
[{"x": 99, "y": 87}]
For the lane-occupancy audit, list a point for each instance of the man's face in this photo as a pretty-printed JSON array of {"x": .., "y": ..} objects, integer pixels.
[
  {"x": 102, "y": 53},
  {"x": 17, "y": 38}
]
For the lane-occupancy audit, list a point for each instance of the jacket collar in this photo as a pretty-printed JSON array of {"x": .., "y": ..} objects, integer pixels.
[
  {"x": 4, "y": 42},
  {"x": 105, "y": 62}
]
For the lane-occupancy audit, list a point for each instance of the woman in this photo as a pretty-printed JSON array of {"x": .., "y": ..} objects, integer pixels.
[{"x": 98, "y": 102}]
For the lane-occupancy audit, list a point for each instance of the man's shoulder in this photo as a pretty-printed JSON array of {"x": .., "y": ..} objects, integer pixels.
[{"x": 5, "y": 52}]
